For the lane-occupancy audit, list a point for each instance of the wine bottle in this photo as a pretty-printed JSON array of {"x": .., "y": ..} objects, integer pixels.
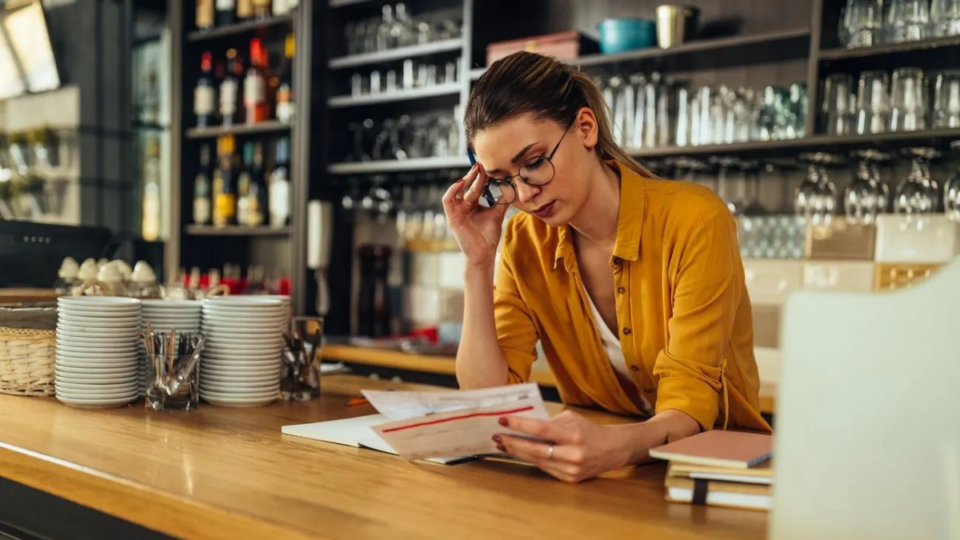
[
  {"x": 204, "y": 16},
  {"x": 280, "y": 186},
  {"x": 255, "y": 85},
  {"x": 224, "y": 184},
  {"x": 226, "y": 12},
  {"x": 285, "y": 105},
  {"x": 230, "y": 112},
  {"x": 201, "y": 189}
]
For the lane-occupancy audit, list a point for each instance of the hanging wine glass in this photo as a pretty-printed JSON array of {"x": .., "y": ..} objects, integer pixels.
[
  {"x": 816, "y": 198},
  {"x": 951, "y": 191},
  {"x": 725, "y": 163},
  {"x": 866, "y": 196},
  {"x": 917, "y": 195}
]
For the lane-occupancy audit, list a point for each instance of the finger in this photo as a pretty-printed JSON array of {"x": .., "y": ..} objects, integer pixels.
[
  {"x": 561, "y": 471},
  {"x": 476, "y": 188},
  {"x": 539, "y": 450},
  {"x": 450, "y": 196},
  {"x": 544, "y": 429}
]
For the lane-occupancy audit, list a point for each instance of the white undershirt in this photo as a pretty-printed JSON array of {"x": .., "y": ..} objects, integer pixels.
[{"x": 611, "y": 344}]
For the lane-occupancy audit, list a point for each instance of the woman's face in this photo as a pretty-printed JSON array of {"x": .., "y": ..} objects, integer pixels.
[{"x": 502, "y": 149}]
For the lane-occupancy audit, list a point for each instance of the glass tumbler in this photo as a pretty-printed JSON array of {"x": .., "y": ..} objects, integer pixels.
[
  {"x": 873, "y": 109},
  {"x": 836, "y": 105},
  {"x": 908, "y": 111},
  {"x": 862, "y": 23},
  {"x": 944, "y": 18},
  {"x": 907, "y": 20},
  {"x": 946, "y": 101}
]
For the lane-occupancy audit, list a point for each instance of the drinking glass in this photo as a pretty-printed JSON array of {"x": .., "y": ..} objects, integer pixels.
[
  {"x": 918, "y": 194},
  {"x": 946, "y": 105},
  {"x": 873, "y": 109},
  {"x": 862, "y": 23},
  {"x": 907, "y": 20},
  {"x": 836, "y": 105},
  {"x": 945, "y": 18},
  {"x": 725, "y": 163},
  {"x": 908, "y": 110},
  {"x": 951, "y": 191},
  {"x": 866, "y": 196}
]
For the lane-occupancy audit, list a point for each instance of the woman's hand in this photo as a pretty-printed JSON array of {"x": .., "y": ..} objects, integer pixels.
[
  {"x": 476, "y": 229},
  {"x": 582, "y": 449}
]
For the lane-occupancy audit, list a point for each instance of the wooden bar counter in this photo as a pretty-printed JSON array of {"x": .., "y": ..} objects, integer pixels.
[{"x": 230, "y": 474}]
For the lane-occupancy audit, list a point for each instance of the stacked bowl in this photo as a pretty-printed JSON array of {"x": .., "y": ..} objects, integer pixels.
[
  {"x": 164, "y": 316},
  {"x": 243, "y": 339},
  {"x": 96, "y": 364}
]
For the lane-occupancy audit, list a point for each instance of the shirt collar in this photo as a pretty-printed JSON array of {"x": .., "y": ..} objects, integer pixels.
[{"x": 629, "y": 221}]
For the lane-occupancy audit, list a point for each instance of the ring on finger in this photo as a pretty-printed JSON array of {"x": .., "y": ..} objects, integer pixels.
[{"x": 550, "y": 452}]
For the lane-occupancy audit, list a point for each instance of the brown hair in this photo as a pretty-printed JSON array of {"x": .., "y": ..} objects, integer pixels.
[{"x": 531, "y": 83}]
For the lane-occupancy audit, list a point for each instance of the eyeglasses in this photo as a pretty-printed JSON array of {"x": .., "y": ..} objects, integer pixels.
[{"x": 536, "y": 171}]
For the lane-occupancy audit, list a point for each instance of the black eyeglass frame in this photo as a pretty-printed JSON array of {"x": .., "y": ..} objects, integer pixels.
[{"x": 508, "y": 180}]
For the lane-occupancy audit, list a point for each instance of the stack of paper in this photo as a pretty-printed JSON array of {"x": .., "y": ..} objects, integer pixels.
[
  {"x": 443, "y": 427},
  {"x": 720, "y": 468}
]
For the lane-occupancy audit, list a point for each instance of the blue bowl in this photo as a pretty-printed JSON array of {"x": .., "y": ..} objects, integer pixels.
[{"x": 622, "y": 35}]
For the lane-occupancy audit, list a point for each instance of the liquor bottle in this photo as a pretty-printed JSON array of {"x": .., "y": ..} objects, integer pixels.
[
  {"x": 257, "y": 196},
  {"x": 285, "y": 105},
  {"x": 261, "y": 9},
  {"x": 224, "y": 184},
  {"x": 201, "y": 189},
  {"x": 282, "y": 7},
  {"x": 150, "y": 99},
  {"x": 244, "y": 9},
  {"x": 280, "y": 186},
  {"x": 204, "y": 14},
  {"x": 230, "y": 113},
  {"x": 255, "y": 85},
  {"x": 243, "y": 186},
  {"x": 150, "y": 227},
  {"x": 203, "y": 94},
  {"x": 226, "y": 12}
]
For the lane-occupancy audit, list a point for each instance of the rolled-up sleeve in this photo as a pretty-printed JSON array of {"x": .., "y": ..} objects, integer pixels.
[
  {"x": 516, "y": 332},
  {"x": 705, "y": 302}
]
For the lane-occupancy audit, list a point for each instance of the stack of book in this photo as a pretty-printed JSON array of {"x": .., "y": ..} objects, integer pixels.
[{"x": 720, "y": 468}]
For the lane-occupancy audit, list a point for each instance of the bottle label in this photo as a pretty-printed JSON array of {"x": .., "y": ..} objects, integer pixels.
[
  {"x": 225, "y": 208},
  {"x": 204, "y": 13},
  {"x": 201, "y": 210},
  {"x": 225, "y": 5},
  {"x": 203, "y": 100},
  {"x": 244, "y": 8},
  {"x": 285, "y": 111},
  {"x": 281, "y": 7},
  {"x": 228, "y": 97},
  {"x": 279, "y": 202},
  {"x": 254, "y": 92}
]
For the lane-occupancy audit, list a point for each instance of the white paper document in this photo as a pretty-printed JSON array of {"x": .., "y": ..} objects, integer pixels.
[{"x": 431, "y": 425}]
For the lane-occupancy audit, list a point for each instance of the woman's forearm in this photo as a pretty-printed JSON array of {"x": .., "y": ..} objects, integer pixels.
[
  {"x": 667, "y": 426},
  {"x": 480, "y": 362}
]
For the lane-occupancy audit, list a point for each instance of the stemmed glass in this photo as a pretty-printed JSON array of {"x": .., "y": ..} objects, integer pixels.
[
  {"x": 918, "y": 193},
  {"x": 724, "y": 164},
  {"x": 866, "y": 196},
  {"x": 816, "y": 197},
  {"x": 951, "y": 191}
]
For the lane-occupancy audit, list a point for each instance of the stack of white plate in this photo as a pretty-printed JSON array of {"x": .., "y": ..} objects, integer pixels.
[
  {"x": 96, "y": 365},
  {"x": 243, "y": 337},
  {"x": 164, "y": 316}
]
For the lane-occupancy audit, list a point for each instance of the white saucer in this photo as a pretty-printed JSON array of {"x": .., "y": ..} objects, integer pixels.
[
  {"x": 130, "y": 393},
  {"x": 111, "y": 364},
  {"x": 95, "y": 388},
  {"x": 95, "y": 350},
  {"x": 216, "y": 377},
  {"x": 238, "y": 402},
  {"x": 231, "y": 373},
  {"x": 239, "y": 388},
  {"x": 96, "y": 378}
]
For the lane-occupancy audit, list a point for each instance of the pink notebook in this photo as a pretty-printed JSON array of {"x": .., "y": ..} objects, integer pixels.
[{"x": 715, "y": 448}]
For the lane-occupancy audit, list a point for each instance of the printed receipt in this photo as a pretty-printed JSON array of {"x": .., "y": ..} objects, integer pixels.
[{"x": 435, "y": 424}]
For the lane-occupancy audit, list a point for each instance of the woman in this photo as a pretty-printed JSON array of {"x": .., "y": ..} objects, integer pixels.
[{"x": 633, "y": 285}]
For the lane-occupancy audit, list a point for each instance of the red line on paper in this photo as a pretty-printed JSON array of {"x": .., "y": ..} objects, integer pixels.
[{"x": 461, "y": 417}]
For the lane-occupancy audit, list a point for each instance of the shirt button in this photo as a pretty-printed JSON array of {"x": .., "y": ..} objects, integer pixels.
[
  {"x": 626, "y": 331},
  {"x": 635, "y": 368},
  {"x": 616, "y": 260},
  {"x": 621, "y": 290}
]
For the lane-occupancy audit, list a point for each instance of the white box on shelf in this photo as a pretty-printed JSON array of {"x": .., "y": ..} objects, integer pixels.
[
  {"x": 770, "y": 281},
  {"x": 846, "y": 276},
  {"x": 926, "y": 239}
]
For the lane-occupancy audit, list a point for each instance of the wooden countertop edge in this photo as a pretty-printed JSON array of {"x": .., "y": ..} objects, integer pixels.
[{"x": 154, "y": 509}]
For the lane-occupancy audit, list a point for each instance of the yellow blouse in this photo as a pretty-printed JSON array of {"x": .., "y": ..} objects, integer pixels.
[{"x": 685, "y": 319}]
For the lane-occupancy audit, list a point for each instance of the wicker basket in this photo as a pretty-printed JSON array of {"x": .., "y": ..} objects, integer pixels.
[{"x": 27, "y": 361}]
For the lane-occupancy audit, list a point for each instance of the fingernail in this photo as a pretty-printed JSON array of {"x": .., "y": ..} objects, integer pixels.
[
  {"x": 504, "y": 422},
  {"x": 502, "y": 448},
  {"x": 496, "y": 439}
]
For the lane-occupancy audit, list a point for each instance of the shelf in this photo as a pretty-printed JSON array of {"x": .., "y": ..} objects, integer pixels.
[
  {"x": 401, "y": 53},
  {"x": 893, "y": 48},
  {"x": 201, "y": 35},
  {"x": 421, "y": 164},
  {"x": 475, "y": 73},
  {"x": 767, "y": 38},
  {"x": 838, "y": 143},
  {"x": 150, "y": 126},
  {"x": 400, "y": 95},
  {"x": 272, "y": 126},
  {"x": 345, "y": 3},
  {"x": 236, "y": 230}
]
